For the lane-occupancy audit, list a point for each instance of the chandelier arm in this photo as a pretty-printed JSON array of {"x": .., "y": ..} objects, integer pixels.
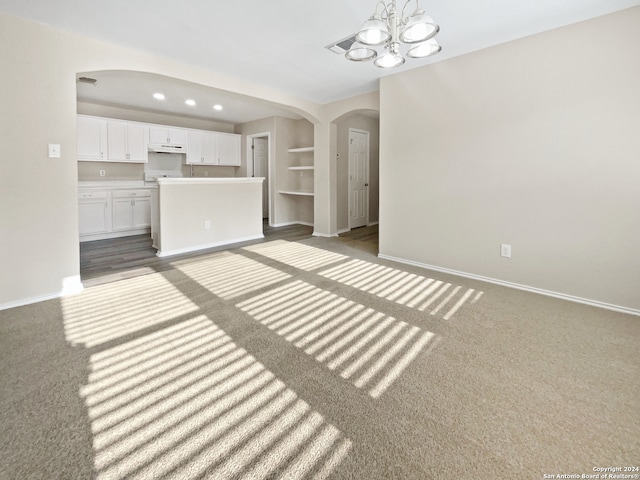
[
  {"x": 405, "y": 7},
  {"x": 385, "y": 10}
]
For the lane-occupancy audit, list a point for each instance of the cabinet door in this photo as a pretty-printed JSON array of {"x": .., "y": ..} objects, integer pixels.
[
  {"x": 141, "y": 212},
  {"x": 158, "y": 135},
  {"x": 91, "y": 138},
  {"x": 136, "y": 145},
  {"x": 116, "y": 141},
  {"x": 173, "y": 136},
  {"x": 122, "y": 214},
  {"x": 194, "y": 148},
  {"x": 208, "y": 148},
  {"x": 126, "y": 142},
  {"x": 177, "y": 136},
  {"x": 227, "y": 149},
  {"x": 93, "y": 217}
]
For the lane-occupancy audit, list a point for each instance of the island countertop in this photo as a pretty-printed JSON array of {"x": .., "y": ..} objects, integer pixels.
[{"x": 208, "y": 180}]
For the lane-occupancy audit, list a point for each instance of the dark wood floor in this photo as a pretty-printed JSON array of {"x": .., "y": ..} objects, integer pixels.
[{"x": 104, "y": 261}]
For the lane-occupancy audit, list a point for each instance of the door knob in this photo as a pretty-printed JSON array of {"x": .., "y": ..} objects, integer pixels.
[{"x": 366, "y": 184}]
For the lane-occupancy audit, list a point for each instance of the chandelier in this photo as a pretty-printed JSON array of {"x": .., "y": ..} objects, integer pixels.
[{"x": 396, "y": 32}]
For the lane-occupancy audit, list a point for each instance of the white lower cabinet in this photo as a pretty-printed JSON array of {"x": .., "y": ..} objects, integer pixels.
[
  {"x": 94, "y": 213},
  {"x": 131, "y": 209},
  {"x": 114, "y": 213}
]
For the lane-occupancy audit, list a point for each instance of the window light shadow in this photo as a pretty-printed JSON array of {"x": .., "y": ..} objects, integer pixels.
[
  {"x": 229, "y": 275},
  {"x": 296, "y": 255},
  {"x": 107, "y": 312},
  {"x": 172, "y": 406},
  {"x": 404, "y": 288},
  {"x": 367, "y": 347}
]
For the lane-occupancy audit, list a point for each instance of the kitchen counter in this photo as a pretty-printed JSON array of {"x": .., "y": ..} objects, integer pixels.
[
  {"x": 111, "y": 185},
  {"x": 190, "y": 214}
]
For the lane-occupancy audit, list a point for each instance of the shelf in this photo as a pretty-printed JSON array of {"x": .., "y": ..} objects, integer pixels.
[
  {"x": 300, "y": 150},
  {"x": 304, "y": 194},
  {"x": 301, "y": 168}
]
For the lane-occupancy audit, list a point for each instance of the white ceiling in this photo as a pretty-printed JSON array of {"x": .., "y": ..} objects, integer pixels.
[
  {"x": 136, "y": 89},
  {"x": 281, "y": 44}
]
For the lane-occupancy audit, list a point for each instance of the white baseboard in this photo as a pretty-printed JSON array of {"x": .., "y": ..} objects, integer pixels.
[
  {"x": 196, "y": 248},
  {"x": 288, "y": 224},
  {"x": 370, "y": 224},
  {"x": 343, "y": 230},
  {"x": 105, "y": 236},
  {"x": 540, "y": 291},
  {"x": 325, "y": 235},
  {"x": 70, "y": 286}
]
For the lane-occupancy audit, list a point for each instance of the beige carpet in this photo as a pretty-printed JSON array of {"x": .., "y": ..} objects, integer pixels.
[{"x": 314, "y": 360}]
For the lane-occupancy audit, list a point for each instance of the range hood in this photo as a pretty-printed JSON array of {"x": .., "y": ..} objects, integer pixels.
[{"x": 167, "y": 148}]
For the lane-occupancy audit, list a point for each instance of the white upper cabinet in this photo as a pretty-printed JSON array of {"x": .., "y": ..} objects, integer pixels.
[
  {"x": 92, "y": 138},
  {"x": 227, "y": 149},
  {"x": 213, "y": 148},
  {"x": 200, "y": 148},
  {"x": 111, "y": 140},
  {"x": 166, "y": 135},
  {"x": 126, "y": 142}
]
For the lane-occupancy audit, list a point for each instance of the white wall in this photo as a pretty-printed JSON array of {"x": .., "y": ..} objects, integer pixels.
[{"x": 534, "y": 143}]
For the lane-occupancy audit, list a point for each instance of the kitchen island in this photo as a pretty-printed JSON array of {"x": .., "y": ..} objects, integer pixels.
[{"x": 190, "y": 214}]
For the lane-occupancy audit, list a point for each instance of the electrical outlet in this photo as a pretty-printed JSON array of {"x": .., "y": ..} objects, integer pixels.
[
  {"x": 505, "y": 250},
  {"x": 207, "y": 224},
  {"x": 103, "y": 173},
  {"x": 206, "y": 173}
]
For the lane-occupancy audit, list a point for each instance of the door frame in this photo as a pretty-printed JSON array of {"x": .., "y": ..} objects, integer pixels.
[
  {"x": 270, "y": 167},
  {"x": 368, "y": 181}
]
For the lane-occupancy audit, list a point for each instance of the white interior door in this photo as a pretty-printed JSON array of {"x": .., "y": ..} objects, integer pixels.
[
  {"x": 358, "y": 178},
  {"x": 261, "y": 169}
]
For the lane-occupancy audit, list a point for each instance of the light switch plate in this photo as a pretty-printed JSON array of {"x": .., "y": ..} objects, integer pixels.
[{"x": 54, "y": 150}]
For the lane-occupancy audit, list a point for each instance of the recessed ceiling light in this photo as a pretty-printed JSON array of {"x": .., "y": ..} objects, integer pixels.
[
  {"x": 190, "y": 102},
  {"x": 158, "y": 96},
  {"x": 217, "y": 107}
]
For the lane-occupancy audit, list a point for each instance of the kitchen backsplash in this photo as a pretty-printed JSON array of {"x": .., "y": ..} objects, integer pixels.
[{"x": 90, "y": 171}]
